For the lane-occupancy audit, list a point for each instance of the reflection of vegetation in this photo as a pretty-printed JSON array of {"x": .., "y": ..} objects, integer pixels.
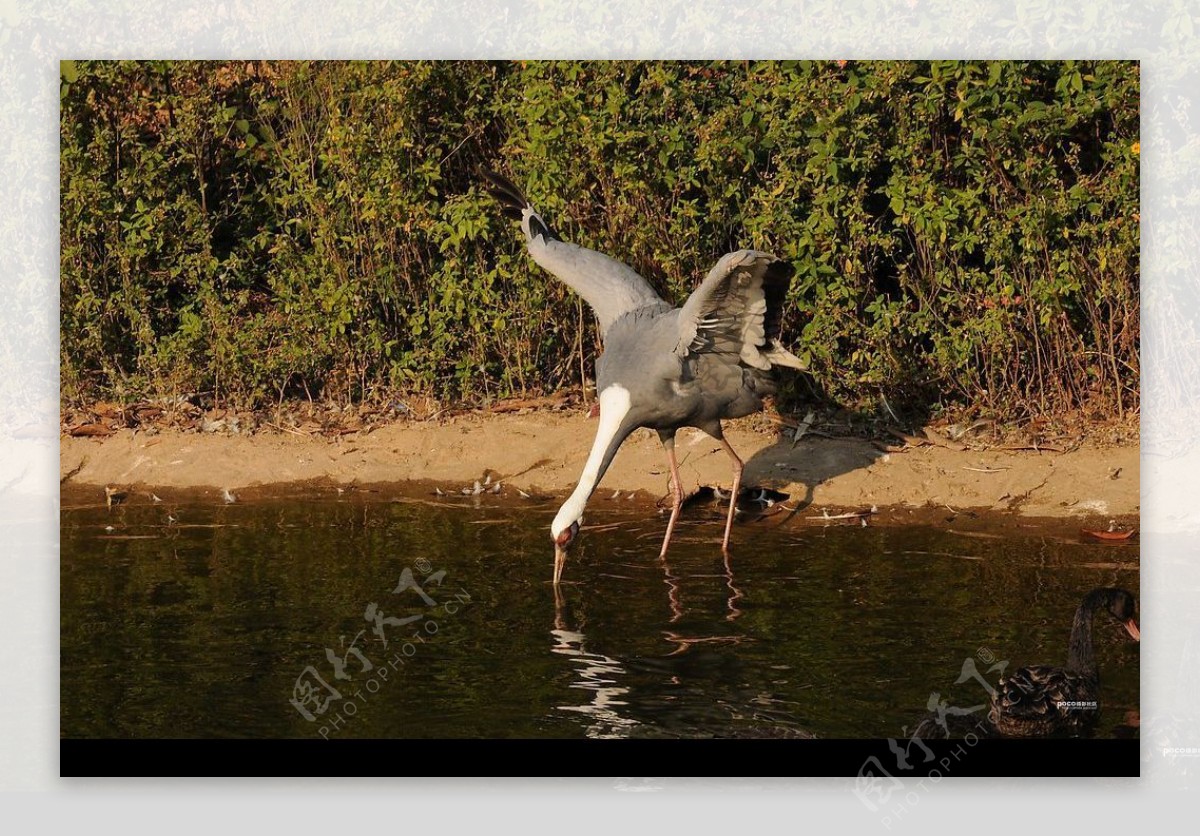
[{"x": 962, "y": 231}]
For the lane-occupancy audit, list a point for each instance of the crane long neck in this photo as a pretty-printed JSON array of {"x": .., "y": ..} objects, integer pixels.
[
  {"x": 1080, "y": 657},
  {"x": 613, "y": 430}
]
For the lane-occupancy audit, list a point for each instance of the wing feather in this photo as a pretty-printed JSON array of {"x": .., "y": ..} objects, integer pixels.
[{"x": 737, "y": 310}]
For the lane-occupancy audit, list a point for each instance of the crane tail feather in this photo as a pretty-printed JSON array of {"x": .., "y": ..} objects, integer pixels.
[
  {"x": 514, "y": 204},
  {"x": 511, "y": 200},
  {"x": 777, "y": 355}
]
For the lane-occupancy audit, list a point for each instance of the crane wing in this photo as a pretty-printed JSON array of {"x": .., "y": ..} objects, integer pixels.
[
  {"x": 612, "y": 289},
  {"x": 737, "y": 311}
]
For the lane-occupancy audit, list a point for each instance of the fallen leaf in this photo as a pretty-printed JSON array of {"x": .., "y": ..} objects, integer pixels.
[
  {"x": 908, "y": 438},
  {"x": 95, "y": 429},
  {"x": 512, "y": 405},
  {"x": 1108, "y": 536},
  {"x": 106, "y": 409}
]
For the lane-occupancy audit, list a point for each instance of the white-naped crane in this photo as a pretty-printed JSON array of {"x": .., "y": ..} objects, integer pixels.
[{"x": 664, "y": 367}]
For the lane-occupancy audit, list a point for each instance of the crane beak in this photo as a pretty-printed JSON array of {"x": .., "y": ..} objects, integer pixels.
[
  {"x": 1132, "y": 627},
  {"x": 561, "y": 541},
  {"x": 560, "y": 558}
]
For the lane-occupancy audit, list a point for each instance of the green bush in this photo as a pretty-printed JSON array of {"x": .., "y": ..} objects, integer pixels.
[{"x": 963, "y": 232}]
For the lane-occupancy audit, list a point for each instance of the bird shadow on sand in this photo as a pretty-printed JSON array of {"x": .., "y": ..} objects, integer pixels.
[
  {"x": 780, "y": 479},
  {"x": 818, "y": 458},
  {"x": 810, "y": 462}
]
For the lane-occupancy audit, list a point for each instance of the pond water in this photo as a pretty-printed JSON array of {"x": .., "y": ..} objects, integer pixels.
[{"x": 207, "y": 620}]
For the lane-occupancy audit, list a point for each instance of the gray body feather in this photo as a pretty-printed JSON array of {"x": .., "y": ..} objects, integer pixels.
[
  {"x": 683, "y": 367},
  {"x": 664, "y": 367}
]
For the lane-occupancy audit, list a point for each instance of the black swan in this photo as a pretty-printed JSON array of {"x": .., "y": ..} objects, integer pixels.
[{"x": 1049, "y": 700}]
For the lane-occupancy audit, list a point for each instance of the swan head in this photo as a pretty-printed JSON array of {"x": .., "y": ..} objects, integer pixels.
[{"x": 1122, "y": 606}]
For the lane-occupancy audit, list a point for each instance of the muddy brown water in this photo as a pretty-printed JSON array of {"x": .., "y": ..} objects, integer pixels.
[{"x": 270, "y": 618}]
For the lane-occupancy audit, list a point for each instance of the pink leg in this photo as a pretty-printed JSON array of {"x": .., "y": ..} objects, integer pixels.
[
  {"x": 676, "y": 493},
  {"x": 737, "y": 486}
]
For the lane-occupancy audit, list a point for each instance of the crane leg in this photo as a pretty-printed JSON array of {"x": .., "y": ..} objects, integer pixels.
[
  {"x": 676, "y": 491},
  {"x": 733, "y": 498}
]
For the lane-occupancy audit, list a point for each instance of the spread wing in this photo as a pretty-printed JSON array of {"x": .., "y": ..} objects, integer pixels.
[
  {"x": 611, "y": 289},
  {"x": 737, "y": 311}
]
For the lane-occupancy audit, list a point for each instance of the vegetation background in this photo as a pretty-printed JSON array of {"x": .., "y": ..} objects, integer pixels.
[{"x": 965, "y": 234}]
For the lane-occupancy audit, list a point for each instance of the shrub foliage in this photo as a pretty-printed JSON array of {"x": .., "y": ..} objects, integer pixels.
[{"x": 963, "y": 232}]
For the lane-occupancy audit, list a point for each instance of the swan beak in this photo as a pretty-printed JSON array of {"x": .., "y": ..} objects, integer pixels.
[
  {"x": 1132, "y": 627},
  {"x": 560, "y": 558}
]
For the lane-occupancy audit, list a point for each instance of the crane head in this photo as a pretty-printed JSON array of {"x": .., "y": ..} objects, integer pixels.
[{"x": 562, "y": 541}]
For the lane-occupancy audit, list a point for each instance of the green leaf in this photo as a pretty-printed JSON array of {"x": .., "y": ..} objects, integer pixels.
[
  {"x": 68, "y": 71},
  {"x": 363, "y": 215}
]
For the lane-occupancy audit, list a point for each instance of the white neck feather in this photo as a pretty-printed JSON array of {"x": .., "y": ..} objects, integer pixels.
[{"x": 614, "y": 404}]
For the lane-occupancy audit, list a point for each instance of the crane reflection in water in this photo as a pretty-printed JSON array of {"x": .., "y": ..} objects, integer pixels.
[{"x": 645, "y": 696}]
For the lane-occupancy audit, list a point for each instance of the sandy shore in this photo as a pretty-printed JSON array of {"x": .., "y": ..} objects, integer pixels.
[{"x": 544, "y": 452}]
